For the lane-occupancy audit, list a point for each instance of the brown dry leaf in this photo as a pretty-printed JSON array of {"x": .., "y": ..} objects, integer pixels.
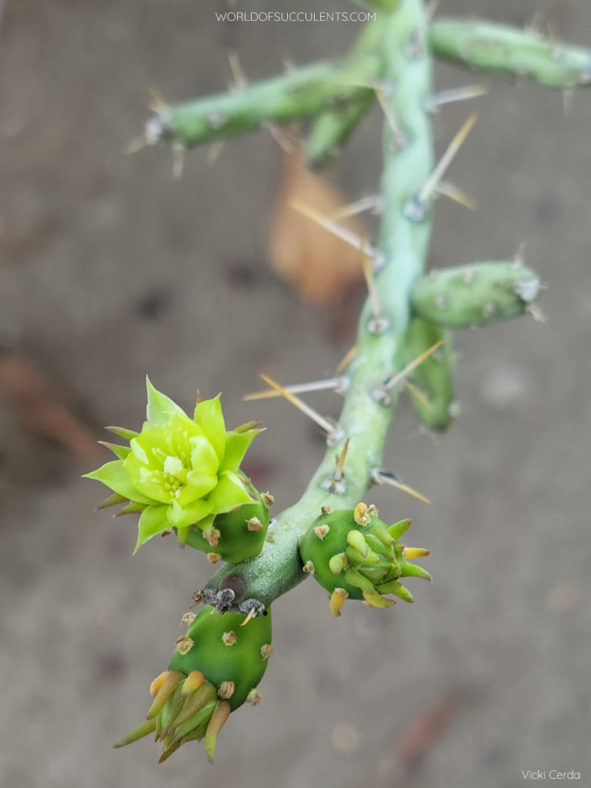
[
  {"x": 35, "y": 404},
  {"x": 404, "y": 755},
  {"x": 322, "y": 268}
]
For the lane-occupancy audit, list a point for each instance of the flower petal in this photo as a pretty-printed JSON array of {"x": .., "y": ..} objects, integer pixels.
[
  {"x": 208, "y": 414},
  {"x": 230, "y": 492},
  {"x": 152, "y": 521},
  {"x": 204, "y": 457},
  {"x": 147, "y": 480},
  {"x": 180, "y": 516},
  {"x": 160, "y": 408},
  {"x": 197, "y": 486},
  {"x": 236, "y": 445},
  {"x": 114, "y": 475}
]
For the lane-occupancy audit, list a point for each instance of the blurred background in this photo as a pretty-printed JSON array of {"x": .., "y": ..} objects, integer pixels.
[{"x": 109, "y": 269}]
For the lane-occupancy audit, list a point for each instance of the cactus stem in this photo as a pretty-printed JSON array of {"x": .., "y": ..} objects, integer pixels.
[
  {"x": 442, "y": 166},
  {"x": 216, "y": 723},
  {"x": 383, "y": 477},
  {"x": 300, "y": 405},
  {"x": 142, "y": 730},
  {"x": 454, "y": 94},
  {"x": 337, "y": 600},
  {"x": 165, "y": 690},
  {"x": 338, "y": 384}
]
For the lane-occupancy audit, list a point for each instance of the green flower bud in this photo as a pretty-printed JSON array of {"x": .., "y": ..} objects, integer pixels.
[
  {"x": 179, "y": 472},
  {"x": 353, "y": 554},
  {"x": 214, "y": 670}
]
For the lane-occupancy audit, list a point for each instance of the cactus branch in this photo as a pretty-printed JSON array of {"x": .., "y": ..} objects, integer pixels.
[
  {"x": 342, "y": 90},
  {"x": 365, "y": 420},
  {"x": 508, "y": 51}
]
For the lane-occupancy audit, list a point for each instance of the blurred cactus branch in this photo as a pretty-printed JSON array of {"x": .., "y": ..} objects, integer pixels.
[
  {"x": 300, "y": 93},
  {"x": 510, "y": 52}
]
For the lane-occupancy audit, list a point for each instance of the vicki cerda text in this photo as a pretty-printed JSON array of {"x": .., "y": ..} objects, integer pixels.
[{"x": 550, "y": 774}]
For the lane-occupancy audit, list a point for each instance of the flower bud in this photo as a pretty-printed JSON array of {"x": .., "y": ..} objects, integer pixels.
[
  {"x": 205, "y": 683},
  {"x": 359, "y": 561}
]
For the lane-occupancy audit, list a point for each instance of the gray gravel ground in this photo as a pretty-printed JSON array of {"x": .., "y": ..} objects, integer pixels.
[{"x": 114, "y": 269}]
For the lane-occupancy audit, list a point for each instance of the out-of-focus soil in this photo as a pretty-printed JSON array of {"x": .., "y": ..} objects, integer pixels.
[{"x": 110, "y": 269}]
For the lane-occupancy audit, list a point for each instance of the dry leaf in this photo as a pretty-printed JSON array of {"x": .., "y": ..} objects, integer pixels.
[
  {"x": 322, "y": 268},
  {"x": 36, "y": 406}
]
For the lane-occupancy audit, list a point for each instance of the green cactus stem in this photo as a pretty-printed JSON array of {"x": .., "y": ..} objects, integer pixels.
[
  {"x": 353, "y": 554},
  {"x": 214, "y": 670},
  {"x": 366, "y": 414},
  {"x": 333, "y": 129},
  {"x": 432, "y": 390},
  {"x": 476, "y": 295},
  {"x": 508, "y": 51},
  {"x": 239, "y": 535},
  {"x": 296, "y": 95}
]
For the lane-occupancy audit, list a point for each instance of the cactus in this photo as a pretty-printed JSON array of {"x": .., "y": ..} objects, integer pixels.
[
  {"x": 404, "y": 332},
  {"x": 468, "y": 296},
  {"x": 353, "y": 554},
  {"x": 215, "y": 668}
]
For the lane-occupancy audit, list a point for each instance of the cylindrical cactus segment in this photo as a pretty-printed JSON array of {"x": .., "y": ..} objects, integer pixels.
[
  {"x": 214, "y": 670},
  {"x": 354, "y": 554},
  {"x": 432, "y": 387},
  {"x": 234, "y": 536},
  {"x": 475, "y": 295}
]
